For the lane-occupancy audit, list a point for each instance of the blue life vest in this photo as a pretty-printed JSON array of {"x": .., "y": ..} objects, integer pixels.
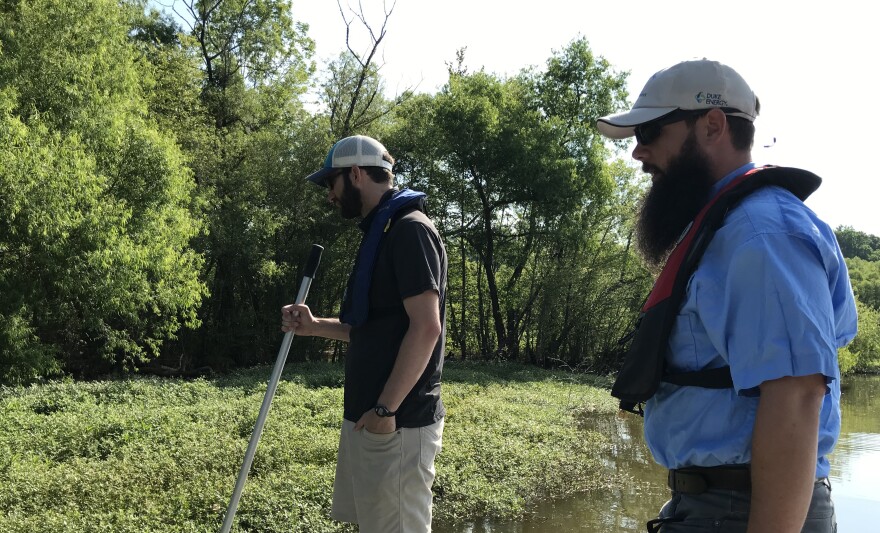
[{"x": 356, "y": 306}]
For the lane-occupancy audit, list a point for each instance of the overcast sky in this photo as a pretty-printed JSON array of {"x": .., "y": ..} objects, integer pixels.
[{"x": 811, "y": 64}]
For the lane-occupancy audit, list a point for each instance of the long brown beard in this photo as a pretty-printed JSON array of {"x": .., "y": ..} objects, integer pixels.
[
  {"x": 350, "y": 201},
  {"x": 672, "y": 202}
]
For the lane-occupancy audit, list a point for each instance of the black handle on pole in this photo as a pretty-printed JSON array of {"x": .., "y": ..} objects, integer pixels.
[{"x": 314, "y": 261}]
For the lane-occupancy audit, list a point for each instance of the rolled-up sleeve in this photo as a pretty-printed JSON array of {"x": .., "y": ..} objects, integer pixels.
[{"x": 778, "y": 317}]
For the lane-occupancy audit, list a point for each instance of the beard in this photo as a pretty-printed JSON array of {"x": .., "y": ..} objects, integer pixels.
[
  {"x": 674, "y": 199},
  {"x": 350, "y": 202}
]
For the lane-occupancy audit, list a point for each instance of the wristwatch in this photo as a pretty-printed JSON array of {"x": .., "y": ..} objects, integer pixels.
[{"x": 383, "y": 411}]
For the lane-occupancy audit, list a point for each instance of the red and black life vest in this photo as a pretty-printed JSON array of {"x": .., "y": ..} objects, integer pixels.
[{"x": 644, "y": 365}]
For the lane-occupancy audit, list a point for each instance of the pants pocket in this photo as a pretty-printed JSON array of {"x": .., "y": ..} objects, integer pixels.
[
  {"x": 430, "y": 444},
  {"x": 379, "y": 438}
]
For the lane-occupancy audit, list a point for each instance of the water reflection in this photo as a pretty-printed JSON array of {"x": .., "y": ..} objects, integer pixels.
[
  {"x": 624, "y": 509},
  {"x": 855, "y": 463},
  {"x": 855, "y": 477}
]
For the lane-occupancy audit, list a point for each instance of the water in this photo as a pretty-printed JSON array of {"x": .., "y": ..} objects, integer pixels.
[
  {"x": 855, "y": 478},
  {"x": 855, "y": 463}
]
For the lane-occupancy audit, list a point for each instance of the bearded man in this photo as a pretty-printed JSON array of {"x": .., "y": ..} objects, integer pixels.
[
  {"x": 764, "y": 301},
  {"x": 393, "y": 318}
]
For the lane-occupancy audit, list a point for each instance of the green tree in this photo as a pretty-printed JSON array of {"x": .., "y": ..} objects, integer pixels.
[
  {"x": 858, "y": 244},
  {"x": 354, "y": 92},
  {"x": 247, "y": 43},
  {"x": 512, "y": 164},
  {"x": 173, "y": 90},
  {"x": 865, "y": 278},
  {"x": 96, "y": 271},
  {"x": 230, "y": 90},
  {"x": 865, "y": 348},
  {"x": 596, "y": 286},
  {"x": 491, "y": 138}
]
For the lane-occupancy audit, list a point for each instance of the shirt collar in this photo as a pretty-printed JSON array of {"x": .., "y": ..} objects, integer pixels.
[{"x": 720, "y": 184}]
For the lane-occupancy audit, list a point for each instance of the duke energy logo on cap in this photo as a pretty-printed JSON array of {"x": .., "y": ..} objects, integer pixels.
[{"x": 709, "y": 99}]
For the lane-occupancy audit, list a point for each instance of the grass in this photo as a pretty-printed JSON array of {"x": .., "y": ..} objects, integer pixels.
[{"x": 161, "y": 455}]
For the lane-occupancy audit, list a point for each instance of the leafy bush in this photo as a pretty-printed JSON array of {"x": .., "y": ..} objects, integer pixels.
[
  {"x": 156, "y": 455},
  {"x": 866, "y": 345},
  {"x": 865, "y": 278},
  {"x": 846, "y": 360}
]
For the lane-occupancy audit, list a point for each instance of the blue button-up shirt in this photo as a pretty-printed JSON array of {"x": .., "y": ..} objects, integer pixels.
[{"x": 770, "y": 298}]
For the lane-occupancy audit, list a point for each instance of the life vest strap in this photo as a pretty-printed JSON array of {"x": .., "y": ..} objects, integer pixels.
[{"x": 709, "y": 378}]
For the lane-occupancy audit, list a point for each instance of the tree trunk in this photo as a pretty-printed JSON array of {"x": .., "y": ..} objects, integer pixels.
[{"x": 488, "y": 258}]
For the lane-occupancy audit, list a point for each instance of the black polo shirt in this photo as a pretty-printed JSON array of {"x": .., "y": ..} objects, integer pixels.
[{"x": 411, "y": 260}]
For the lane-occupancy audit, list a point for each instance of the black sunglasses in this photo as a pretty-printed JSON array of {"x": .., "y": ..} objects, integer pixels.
[
  {"x": 649, "y": 132},
  {"x": 330, "y": 180}
]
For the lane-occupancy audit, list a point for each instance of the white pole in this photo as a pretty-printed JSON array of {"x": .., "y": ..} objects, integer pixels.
[{"x": 311, "y": 268}]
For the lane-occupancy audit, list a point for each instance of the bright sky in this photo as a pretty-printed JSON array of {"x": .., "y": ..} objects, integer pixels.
[{"x": 808, "y": 62}]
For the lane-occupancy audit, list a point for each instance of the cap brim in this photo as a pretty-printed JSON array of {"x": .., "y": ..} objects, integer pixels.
[
  {"x": 622, "y": 125},
  {"x": 320, "y": 177}
]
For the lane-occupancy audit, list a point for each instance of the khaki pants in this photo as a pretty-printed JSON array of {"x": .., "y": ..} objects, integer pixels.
[{"x": 383, "y": 482}]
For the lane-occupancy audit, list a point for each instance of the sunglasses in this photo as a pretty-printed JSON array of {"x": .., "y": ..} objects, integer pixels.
[
  {"x": 330, "y": 180},
  {"x": 649, "y": 132}
]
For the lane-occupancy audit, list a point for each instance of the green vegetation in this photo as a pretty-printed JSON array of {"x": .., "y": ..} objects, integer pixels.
[
  {"x": 865, "y": 277},
  {"x": 863, "y": 354},
  {"x": 858, "y": 244},
  {"x": 862, "y": 253},
  {"x": 96, "y": 268},
  {"x": 155, "y": 215},
  {"x": 162, "y": 455},
  {"x": 535, "y": 218}
]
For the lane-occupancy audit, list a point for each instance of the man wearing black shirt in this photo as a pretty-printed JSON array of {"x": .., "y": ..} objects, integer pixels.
[{"x": 393, "y": 317}]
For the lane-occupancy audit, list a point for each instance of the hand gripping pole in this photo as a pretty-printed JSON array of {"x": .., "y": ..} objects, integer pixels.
[{"x": 311, "y": 268}]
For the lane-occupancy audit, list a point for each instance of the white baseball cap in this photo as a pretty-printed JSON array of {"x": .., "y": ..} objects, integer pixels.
[
  {"x": 689, "y": 85},
  {"x": 357, "y": 150}
]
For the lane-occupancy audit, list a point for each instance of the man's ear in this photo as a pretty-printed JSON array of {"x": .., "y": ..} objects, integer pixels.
[
  {"x": 714, "y": 125},
  {"x": 356, "y": 174}
]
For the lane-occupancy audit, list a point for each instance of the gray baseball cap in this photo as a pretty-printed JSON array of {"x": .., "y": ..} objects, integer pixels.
[
  {"x": 357, "y": 150},
  {"x": 689, "y": 85}
]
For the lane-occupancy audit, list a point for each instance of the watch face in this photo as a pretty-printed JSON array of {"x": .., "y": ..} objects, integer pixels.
[{"x": 383, "y": 411}]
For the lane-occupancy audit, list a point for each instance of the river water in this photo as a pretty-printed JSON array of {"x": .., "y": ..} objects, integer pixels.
[{"x": 855, "y": 477}]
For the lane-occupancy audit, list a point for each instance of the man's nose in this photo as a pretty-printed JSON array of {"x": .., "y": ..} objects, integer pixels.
[{"x": 639, "y": 152}]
